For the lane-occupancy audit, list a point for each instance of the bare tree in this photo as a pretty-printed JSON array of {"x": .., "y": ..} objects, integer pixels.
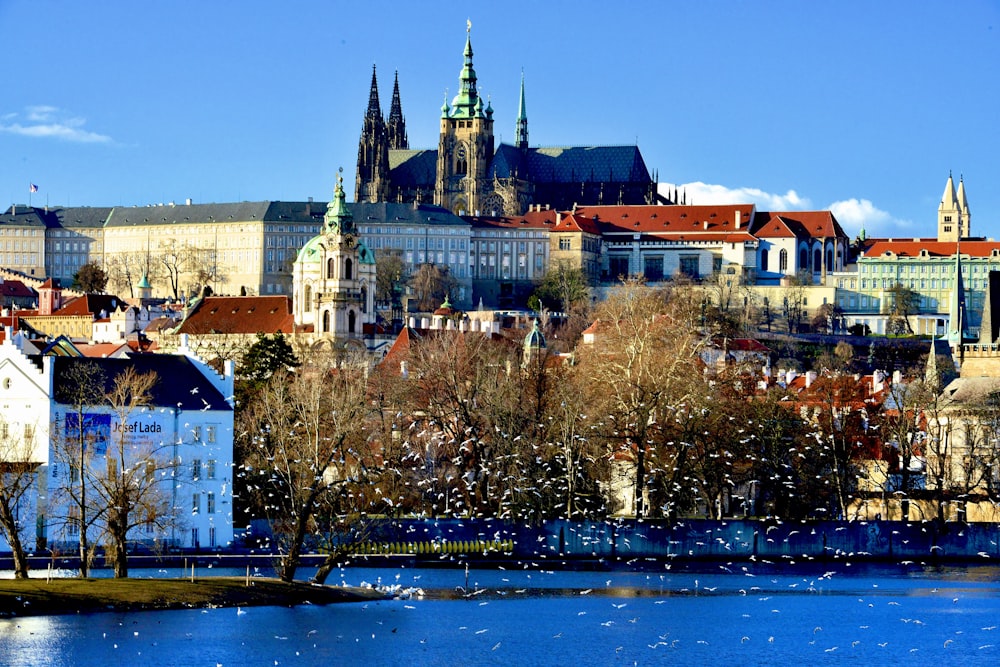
[
  {"x": 643, "y": 370},
  {"x": 432, "y": 284},
  {"x": 126, "y": 269},
  {"x": 129, "y": 485},
  {"x": 306, "y": 429},
  {"x": 19, "y": 463},
  {"x": 75, "y": 446}
]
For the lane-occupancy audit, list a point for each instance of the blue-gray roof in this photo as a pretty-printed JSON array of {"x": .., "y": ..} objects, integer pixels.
[
  {"x": 571, "y": 164},
  {"x": 413, "y": 168},
  {"x": 179, "y": 382},
  {"x": 421, "y": 214}
]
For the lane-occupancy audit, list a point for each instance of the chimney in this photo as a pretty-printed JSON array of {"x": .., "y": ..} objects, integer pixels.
[
  {"x": 705, "y": 224},
  {"x": 810, "y": 378},
  {"x": 309, "y": 207},
  {"x": 739, "y": 218}
]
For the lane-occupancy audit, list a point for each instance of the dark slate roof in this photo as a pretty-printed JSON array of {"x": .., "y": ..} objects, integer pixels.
[
  {"x": 80, "y": 217},
  {"x": 188, "y": 213},
  {"x": 572, "y": 164},
  {"x": 422, "y": 214},
  {"x": 413, "y": 168},
  {"x": 22, "y": 216},
  {"x": 180, "y": 384}
]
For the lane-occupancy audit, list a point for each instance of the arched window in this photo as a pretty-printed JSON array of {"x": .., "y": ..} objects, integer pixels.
[
  {"x": 763, "y": 260},
  {"x": 783, "y": 261},
  {"x": 348, "y": 268},
  {"x": 364, "y": 299},
  {"x": 817, "y": 260},
  {"x": 803, "y": 259},
  {"x": 351, "y": 321},
  {"x": 326, "y": 321},
  {"x": 829, "y": 259},
  {"x": 330, "y": 271},
  {"x": 307, "y": 298}
]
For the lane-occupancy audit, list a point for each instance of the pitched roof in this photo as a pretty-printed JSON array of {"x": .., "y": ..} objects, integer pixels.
[
  {"x": 180, "y": 383},
  {"x": 413, "y": 168},
  {"x": 188, "y": 213},
  {"x": 934, "y": 248},
  {"x": 92, "y": 304},
  {"x": 239, "y": 315},
  {"x": 801, "y": 224},
  {"x": 714, "y": 221},
  {"x": 403, "y": 214},
  {"x": 15, "y": 289}
]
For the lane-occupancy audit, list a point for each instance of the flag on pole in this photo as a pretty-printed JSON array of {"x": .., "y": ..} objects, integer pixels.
[{"x": 32, "y": 187}]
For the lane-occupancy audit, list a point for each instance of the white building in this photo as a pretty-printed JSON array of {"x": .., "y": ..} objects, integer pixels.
[{"x": 185, "y": 432}]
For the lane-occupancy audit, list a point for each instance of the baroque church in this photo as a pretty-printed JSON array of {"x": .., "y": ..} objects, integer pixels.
[
  {"x": 333, "y": 276},
  {"x": 469, "y": 174}
]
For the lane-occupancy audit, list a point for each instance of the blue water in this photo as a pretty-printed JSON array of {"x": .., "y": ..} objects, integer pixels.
[{"x": 884, "y": 616}]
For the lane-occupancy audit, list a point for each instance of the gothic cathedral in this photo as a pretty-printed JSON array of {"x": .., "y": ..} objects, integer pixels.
[{"x": 470, "y": 175}]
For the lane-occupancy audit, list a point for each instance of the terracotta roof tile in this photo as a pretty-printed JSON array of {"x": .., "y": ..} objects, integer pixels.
[{"x": 240, "y": 315}]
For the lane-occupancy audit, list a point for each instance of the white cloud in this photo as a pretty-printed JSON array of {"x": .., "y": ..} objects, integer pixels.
[
  {"x": 852, "y": 214},
  {"x": 707, "y": 194},
  {"x": 855, "y": 214},
  {"x": 50, "y": 122}
]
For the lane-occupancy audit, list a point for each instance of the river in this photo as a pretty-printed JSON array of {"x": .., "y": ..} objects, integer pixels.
[{"x": 725, "y": 614}]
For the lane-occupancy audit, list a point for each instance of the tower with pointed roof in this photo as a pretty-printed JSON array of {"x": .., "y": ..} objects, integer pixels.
[
  {"x": 396, "y": 125},
  {"x": 372, "y": 179},
  {"x": 957, "y": 320},
  {"x": 465, "y": 146},
  {"x": 954, "y": 219},
  {"x": 521, "y": 130},
  {"x": 333, "y": 277}
]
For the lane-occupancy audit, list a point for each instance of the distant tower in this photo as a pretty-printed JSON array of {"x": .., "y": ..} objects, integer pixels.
[
  {"x": 521, "y": 132},
  {"x": 372, "y": 182},
  {"x": 396, "y": 127},
  {"x": 954, "y": 219},
  {"x": 465, "y": 148},
  {"x": 956, "y": 314}
]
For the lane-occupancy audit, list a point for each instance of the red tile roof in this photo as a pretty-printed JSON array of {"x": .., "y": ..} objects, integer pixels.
[
  {"x": 802, "y": 224},
  {"x": 670, "y": 220},
  {"x": 16, "y": 289},
  {"x": 933, "y": 248},
  {"x": 240, "y": 315}
]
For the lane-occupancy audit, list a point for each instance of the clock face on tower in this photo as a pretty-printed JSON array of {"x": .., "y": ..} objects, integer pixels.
[{"x": 461, "y": 152}]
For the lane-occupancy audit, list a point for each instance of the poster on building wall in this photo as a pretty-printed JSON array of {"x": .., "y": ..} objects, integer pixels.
[{"x": 96, "y": 431}]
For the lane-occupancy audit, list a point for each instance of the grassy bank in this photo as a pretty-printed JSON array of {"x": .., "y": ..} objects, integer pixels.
[{"x": 73, "y": 596}]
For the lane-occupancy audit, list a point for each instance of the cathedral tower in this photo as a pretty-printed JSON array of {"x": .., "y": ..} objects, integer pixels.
[
  {"x": 465, "y": 148},
  {"x": 954, "y": 219},
  {"x": 521, "y": 131},
  {"x": 396, "y": 127},
  {"x": 372, "y": 181}
]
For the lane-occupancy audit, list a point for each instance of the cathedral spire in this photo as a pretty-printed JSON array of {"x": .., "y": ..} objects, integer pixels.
[
  {"x": 465, "y": 103},
  {"x": 374, "y": 108},
  {"x": 396, "y": 127},
  {"x": 521, "y": 132},
  {"x": 372, "y": 180}
]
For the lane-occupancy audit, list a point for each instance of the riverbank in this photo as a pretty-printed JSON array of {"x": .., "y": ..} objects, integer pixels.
[{"x": 40, "y": 596}]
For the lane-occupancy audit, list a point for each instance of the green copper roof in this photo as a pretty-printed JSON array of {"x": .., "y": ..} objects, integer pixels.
[
  {"x": 467, "y": 103},
  {"x": 338, "y": 218}
]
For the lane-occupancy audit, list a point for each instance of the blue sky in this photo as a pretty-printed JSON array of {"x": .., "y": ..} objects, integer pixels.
[{"x": 855, "y": 106}]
